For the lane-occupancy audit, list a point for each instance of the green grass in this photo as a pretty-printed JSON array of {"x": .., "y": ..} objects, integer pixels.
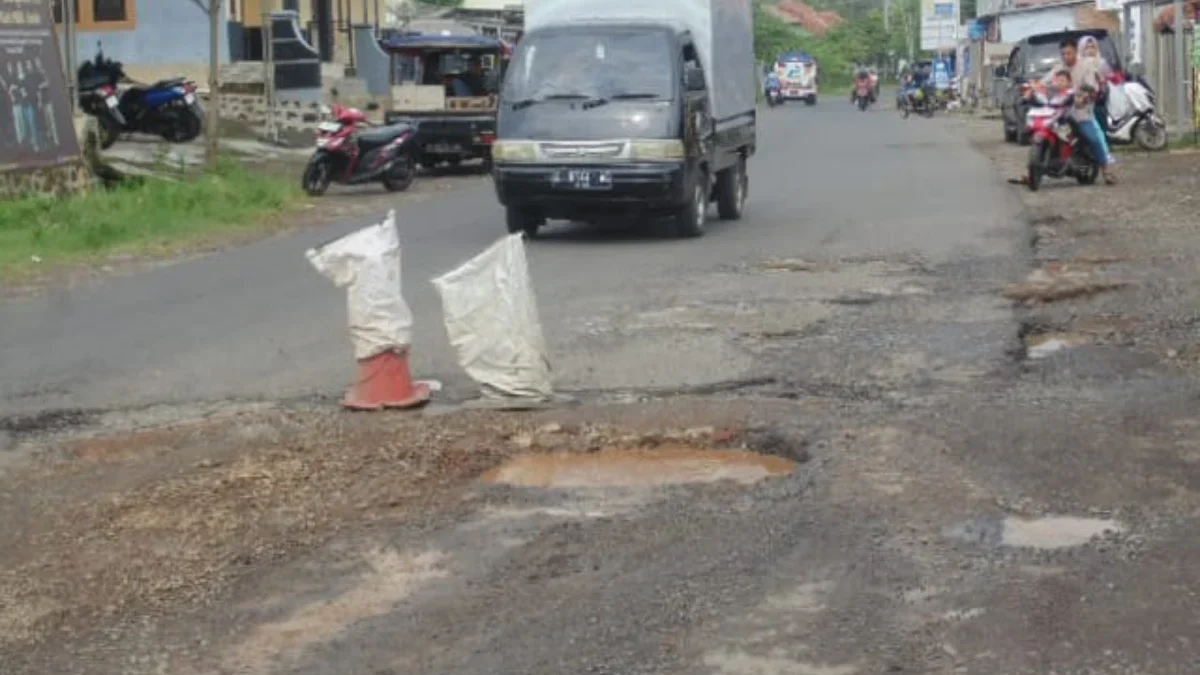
[{"x": 143, "y": 217}]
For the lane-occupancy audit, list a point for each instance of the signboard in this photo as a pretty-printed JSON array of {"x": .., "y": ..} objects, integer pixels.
[
  {"x": 939, "y": 24},
  {"x": 36, "y": 128},
  {"x": 1110, "y": 5}
]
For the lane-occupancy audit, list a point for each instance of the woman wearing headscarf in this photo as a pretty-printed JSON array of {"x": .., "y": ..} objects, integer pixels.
[{"x": 1095, "y": 72}]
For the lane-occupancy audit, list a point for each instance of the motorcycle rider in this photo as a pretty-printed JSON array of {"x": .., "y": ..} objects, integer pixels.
[
  {"x": 771, "y": 83},
  {"x": 861, "y": 77},
  {"x": 1085, "y": 75}
]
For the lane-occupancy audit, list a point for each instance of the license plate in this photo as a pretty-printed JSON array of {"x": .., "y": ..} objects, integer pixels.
[
  {"x": 584, "y": 179},
  {"x": 444, "y": 148},
  {"x": 111, "y": 101},
  {"x": 190, "y": 98},
  {"x": 329, "y": 127}
]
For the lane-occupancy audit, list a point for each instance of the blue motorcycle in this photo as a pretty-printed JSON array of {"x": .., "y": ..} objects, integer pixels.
[{"x": 167, "y": 108}]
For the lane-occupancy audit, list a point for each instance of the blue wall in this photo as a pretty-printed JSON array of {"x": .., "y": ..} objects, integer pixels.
[{"x": 168, "y": 31}]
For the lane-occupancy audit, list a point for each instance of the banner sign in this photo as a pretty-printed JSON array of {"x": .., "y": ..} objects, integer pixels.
[
  {"x": 939, "y": 24},
  {"x": 36, "y": 129}
]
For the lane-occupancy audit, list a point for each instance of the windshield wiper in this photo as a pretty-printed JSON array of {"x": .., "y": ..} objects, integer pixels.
[
  {"x": 526, "y": 102},
  {"x": 628, "y": 95}
]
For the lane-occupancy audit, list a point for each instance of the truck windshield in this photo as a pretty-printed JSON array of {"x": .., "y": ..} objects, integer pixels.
[{"x": 597, "y": 66}]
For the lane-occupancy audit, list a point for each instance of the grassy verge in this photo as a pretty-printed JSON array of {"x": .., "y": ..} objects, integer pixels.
[{"x": 146, "y": 217}]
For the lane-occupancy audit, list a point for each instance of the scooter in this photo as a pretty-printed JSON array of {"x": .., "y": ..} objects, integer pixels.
[
  {"x": 167, "y": 108},
  {"x": 1133, "y": 118},
  {"x": 1056, "y": 150},
  {"x": 347, "y": 154},
  {"x": 774, "y": 96},
  {"x": 863, "y": 94}
]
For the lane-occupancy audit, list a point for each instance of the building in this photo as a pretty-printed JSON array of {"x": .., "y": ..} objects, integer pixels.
[{"x": 153, "y": 38}]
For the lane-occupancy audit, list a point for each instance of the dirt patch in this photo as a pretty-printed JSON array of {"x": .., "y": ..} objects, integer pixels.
[
  {"x": 666, "y": 465},
  {"x": 94, "y": 541}
]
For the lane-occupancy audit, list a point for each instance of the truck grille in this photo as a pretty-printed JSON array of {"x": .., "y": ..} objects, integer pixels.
[{"x": 603, "y": 150}]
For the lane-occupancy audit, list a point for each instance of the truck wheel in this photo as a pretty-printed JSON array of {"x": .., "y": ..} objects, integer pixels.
[
  {"x": 812, "y": 100},
  {"x": 523, "y": 220},
  {"x": 690, "y": 216},
  {"x": 732, "y": 187}
]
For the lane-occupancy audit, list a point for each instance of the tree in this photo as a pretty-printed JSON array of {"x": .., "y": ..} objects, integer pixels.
[
  {"x": 212, "y": 131},
  {"x": 212, "y": 135}
]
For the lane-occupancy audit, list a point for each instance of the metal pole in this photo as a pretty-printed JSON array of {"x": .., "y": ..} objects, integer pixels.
[
  {"x": 1180, "y": 70},
  {"x": 212, "y": 133},
  {"x": 887, "y": 24},
  {"x": 70, "y": 51}
]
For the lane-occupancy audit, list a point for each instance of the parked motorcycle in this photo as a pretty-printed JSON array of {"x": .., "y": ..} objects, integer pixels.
[
  {"x": 1133, "y": 118},
  {"x": 350, "y": 155},
  {"x": 1056, "y": 149},
  {"x": 167, "y": 108}
]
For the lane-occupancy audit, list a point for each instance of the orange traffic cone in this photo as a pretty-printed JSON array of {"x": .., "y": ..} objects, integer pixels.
[{"x": 384, "y": 381}]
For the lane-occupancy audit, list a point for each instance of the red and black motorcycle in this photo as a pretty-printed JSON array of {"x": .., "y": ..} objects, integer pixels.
[
  {"x": 1057, "y": 150},
  {"x": 350, "y": 152}
]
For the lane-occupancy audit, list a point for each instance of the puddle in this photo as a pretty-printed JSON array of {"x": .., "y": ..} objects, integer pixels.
[
  {"x": 668, "y": 465},
  {"x": 1050, "y": 343},
  {"x": 1055, "y": 531},
  {"x": 1049, "y": 532}
]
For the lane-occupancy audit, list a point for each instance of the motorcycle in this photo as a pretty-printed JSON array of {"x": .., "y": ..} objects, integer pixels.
[
  {"x": 347, "y": 154},
  {"x": 915, "y": 99},
  {"x": 774, "y": 96},
  {"x": 863, "y": 94},
  {"x": 1056, "y": 149},
  {"x": 167, "y": 108},
  {"x": 1133, "y": 117}
]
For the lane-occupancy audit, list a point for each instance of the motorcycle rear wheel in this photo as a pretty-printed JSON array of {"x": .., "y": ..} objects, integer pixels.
[
  {"x": 400, "y": 178},
  {"x": 1150, "y": 135},
  {"x": 317, "y": 176},
  {"x": 185, "y": 128}
]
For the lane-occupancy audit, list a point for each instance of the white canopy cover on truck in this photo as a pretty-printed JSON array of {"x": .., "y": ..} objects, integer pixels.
[{"x": 723, "y": 31}]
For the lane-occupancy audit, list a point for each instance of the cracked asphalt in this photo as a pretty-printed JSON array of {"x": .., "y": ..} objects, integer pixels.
[{"x": 963, "y": 503}]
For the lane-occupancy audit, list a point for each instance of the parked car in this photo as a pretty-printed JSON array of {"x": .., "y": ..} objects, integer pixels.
[{"x": 1030, "y": 60}]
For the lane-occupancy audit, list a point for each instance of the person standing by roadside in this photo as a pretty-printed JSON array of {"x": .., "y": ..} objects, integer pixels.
[
  {"x": 43, "y": 104},
  {"x": 12, "y": 94}
]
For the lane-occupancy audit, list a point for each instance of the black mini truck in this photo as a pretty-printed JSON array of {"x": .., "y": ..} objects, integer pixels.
[
  {"x": 457, "y": 129},
  {"x": 617, "y": 119}
]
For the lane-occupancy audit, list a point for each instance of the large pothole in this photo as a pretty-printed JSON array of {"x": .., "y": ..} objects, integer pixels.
[{"x": 664, "y": 465}]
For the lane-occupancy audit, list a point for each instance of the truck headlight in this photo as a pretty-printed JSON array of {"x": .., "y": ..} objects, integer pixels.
[
  {"x": 514, "y": 151},
  {"x": 657, "y": 150}
]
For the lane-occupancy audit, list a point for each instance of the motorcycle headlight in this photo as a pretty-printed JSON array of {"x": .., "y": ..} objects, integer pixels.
[
  {"x": 657, "y": 150},
  {"x": 514, "y": 151}
]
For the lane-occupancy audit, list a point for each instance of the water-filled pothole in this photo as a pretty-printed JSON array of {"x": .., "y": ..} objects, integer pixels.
[
  {"x": 1048, "y": 532},
  {"x": 665, "y": 465},
  {"x": 1055, "y": 531}
]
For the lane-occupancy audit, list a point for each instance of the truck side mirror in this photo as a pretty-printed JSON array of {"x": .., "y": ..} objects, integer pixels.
[
  {"x": 694, "y": 80},
  {"x": 1000, "y": 71}
]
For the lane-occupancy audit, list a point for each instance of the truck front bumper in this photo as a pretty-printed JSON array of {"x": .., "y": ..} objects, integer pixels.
[{"x": 642, "y": 187}]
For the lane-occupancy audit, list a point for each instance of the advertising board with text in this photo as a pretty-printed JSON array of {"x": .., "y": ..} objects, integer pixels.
[
  {"x": 36, "y": 129},
  {"x": 939, "y": 24}
]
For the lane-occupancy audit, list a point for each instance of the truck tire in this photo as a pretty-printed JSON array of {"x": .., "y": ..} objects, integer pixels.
[
  {"x": 732, "y": 187},
  {"x": 523, "y": 220},
  {"x": 690, "y": 216}
]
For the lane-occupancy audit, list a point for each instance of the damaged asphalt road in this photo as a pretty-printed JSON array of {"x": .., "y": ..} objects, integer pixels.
[{"x": 951, "y": 480}]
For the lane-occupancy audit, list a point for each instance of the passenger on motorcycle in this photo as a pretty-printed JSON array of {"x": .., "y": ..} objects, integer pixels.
[
  {"x": 860, "y": 77},
  {"x": 1085, "y": 76},
  {"x": 772, "y": 83}
]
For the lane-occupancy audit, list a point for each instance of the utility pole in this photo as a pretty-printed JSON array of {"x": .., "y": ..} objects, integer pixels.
[
  {"x": 70, "y": 51},
  {"x": 1181, "y": 69},
  {"x": 213, "y": 132},
  {"x": 887, "y": 19}
]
